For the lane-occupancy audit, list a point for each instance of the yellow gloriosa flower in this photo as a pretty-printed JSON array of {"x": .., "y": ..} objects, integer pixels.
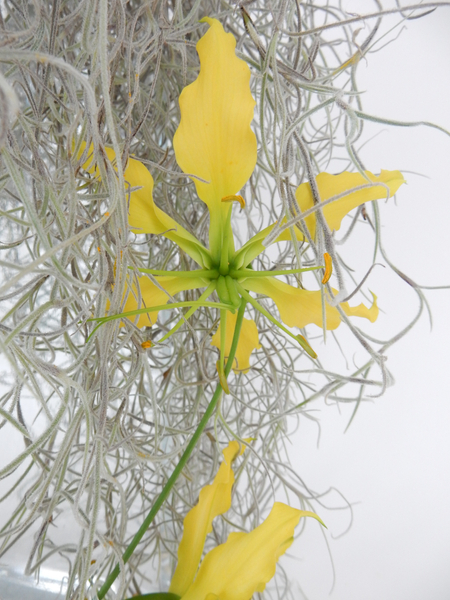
[
  {"x": 215, "y": 144},
  {"x": 246, "y": 562}
]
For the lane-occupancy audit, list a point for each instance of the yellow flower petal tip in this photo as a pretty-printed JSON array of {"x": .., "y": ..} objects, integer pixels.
[
  {"x": 328, "y": 268},
  {"x": 236, "y": 198},
  {"x": 222, "y": 378},
  {"x": 385, "y": 185},
  {"x": 361, "y": 310},
  {"x": 233, "y": 450}
]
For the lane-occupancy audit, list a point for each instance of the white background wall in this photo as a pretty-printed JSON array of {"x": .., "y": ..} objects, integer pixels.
[{"x": 393, "y": 462}]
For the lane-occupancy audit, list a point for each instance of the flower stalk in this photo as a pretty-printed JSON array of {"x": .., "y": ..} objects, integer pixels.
[{"x": 180, "y": 465}]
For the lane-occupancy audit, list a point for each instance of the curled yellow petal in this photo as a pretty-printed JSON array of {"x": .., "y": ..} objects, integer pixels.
[
  {"x": 248, "y": 341},
  {"x": 329, "y": 186},
  {"x": 333, "y": 185},
  {"x": 247, "y": 561},
  {"x": 143, "y": 214},
  {"x": 214, "y": 500},
  {"x": 214, "y": 140},
  {"x": 152, "y": 295},
  {"x": 299, "y": 308}
]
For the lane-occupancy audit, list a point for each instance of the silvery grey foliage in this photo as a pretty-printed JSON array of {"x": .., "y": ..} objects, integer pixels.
[{"x": 98, "y": 424}]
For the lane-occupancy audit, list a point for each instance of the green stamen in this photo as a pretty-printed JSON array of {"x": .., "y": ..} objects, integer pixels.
[
  {"x": 244, "y": 273},
  {"x": 142, "y": 311},
  {"x": 227, "y": 237},
  {"x": 209, "y": 290},
  {"x": 207, "y": 273}
]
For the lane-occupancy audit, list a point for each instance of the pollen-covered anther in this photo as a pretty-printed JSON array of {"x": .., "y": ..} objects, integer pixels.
[
  {"x": 305, "y": 345},
  {"x": 328, "y": 268},
  {"x": 236, "y": 198},
  {"x": 146, "y": 344}
]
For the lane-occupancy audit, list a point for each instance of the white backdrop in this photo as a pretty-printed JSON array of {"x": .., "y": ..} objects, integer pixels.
[{"x": 392, "y": 464}]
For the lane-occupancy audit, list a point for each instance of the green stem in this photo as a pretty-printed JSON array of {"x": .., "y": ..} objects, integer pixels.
[
  {"x": 223, "y": 339},
  {"x": 244, "y": 273},
  {"x": 236, "y": 335},
  {"x": 181, "y": 464},
  {"x": 207, "y": 273}
]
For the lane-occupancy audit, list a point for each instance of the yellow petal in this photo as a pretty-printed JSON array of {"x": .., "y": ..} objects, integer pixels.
[
  {"x": 299, "y": 308},
  {"x": 329, "y": 185},
  {"x": 214, "y": 140},
  {"x": 248, "y": 341},
  {"x": 247, "y": 561},
  {"x": 143, "y": 214},
  {"x": 214, "y": 500},
  {"x": 151, "y": 295},
  {"x": 332, "y": 185},
  {"x": 361, "y": 310}
]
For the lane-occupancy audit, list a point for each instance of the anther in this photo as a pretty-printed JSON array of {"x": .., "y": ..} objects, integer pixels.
[
  {"x": 328, "y": 267},
  {"x": 306, "y": 347},
  {"x": 235, "y": 198}
]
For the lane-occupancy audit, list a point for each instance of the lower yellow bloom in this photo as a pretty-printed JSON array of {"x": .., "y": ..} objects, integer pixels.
[{"x": 246, "y": 562}]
